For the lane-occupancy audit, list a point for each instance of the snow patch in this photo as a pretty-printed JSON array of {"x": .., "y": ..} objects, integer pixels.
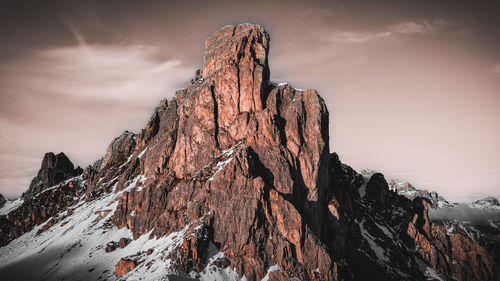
[
  {"x": 138, "y": 180},
  {"x": 10, "y": 206},
  {"x": 379, "y": 251},
  {"x": 269, "y": 270},
  {"x": 219, "y": 167},
  {"x": 429, "y": 272},
  {"x": 142, "y": 153}
]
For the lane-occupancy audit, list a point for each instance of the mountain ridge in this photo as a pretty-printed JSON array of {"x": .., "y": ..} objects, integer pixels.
[{"x": 232, "y": 179}]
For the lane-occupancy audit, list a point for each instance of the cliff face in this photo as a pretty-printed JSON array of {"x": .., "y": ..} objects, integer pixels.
[
  {"x": 235, "y": 174},
  {"x": 246, "y": 157}
]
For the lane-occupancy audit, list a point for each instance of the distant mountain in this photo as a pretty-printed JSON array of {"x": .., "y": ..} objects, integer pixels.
[
  {"x": 489, "y": 203},
  {"x": 232, "y": 179},
  {"x": 409, "y": 191},
  {"x": 54, "y": 169}
]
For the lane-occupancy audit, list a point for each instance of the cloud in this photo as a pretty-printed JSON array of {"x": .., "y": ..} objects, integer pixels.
[
  {"x": 462, "y": 212},
  {"x": 413, "y": 27},
  {"x": 401, "y": 28},
  {"x": 76, "y": 99},
  {"x": 340, "y": 36}
]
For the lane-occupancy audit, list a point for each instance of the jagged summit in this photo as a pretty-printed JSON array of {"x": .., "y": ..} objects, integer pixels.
[
  {"x": 54, "y": 169},
  {"x": 230, "y": 180}
]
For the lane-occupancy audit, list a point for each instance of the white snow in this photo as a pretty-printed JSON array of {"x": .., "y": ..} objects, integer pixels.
[
  {"x": 362, "y": 190},
  {"x": 214, "y": 273},
  {"x": 138, "y": 180},
  {"x": 269, "y": 270},
  {"x": 130, "y": 157},
  {"x": 142, "y": 153},
  {"x": 429, "y": 272},
  {"x": 73, "y": 249},
  {"x": 219, "y": 167},
  {"x": 11, "y": 205},
  {"x": 379, "y": 251}
]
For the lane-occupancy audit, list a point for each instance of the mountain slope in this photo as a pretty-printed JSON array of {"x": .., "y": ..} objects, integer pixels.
[{"x": 232, "y": 179}]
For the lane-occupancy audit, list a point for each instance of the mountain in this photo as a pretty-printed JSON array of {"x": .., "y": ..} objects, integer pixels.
[
  {"x": 54, "y": 169},
  {"x": 489, "y": 203},
  {"x": 407, "y": 190},
  {"x": 478, "y": 220},
  {"x": 232, "y": 179}
]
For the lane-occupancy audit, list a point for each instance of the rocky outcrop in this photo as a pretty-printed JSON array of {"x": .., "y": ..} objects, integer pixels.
[
  {"x": 377, "y": 190},
  {"x": 54, "y": 169},
  {"x": 44, "y": 207},
  {"x": 239, "y": 165},
  {"x": 453, "y": 254},
  {"x": 124, "y": 266},
  {"x": 246, "y": 155}
]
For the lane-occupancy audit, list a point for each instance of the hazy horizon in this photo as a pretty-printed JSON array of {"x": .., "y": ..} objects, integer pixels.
[{"x": 413, "y": 89}]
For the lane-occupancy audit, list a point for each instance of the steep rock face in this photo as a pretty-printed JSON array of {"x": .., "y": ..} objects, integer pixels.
[
  {"x": 54, "y": 169},
  {"x": 235, "y": 173},
  {"x": 248, "y": 157}
]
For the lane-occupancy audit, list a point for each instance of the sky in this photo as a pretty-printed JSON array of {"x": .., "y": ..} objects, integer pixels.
[{"x": 413, "y": 87}]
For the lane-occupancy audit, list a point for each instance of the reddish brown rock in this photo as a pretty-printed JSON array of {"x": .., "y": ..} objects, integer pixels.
[
  {"x": 54, "y": 169},
  {"x": 38, "y": 209},
  {"x": 123, "y": 242},
  {"x": 124, "y": 266},
  {"x": 451, "y": 254},
  {"x": 242, "y": 164},
  {"x": 110, "y": 247},
  {"x": 248, "y": 155}
]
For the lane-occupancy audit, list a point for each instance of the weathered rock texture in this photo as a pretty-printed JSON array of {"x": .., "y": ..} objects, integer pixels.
[
  {"x": 124, "y": 266},
  {"x": 43, "y": 207},
  {"x": 248, "y": 157},
  {"x": 243, "y": 163},
  {"x": 453, "y": 254},
  {"x": 55, "y": 168}
]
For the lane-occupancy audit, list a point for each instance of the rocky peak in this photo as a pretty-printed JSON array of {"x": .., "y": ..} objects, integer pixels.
[
  {"x": 54, "y": 169},
  {"x": 377, "y": 190},
  {"x": 235, "y": 63},
  {"x": 119, "y": 150},
  {"x": 490, "y": 202},
  {"x": 232, "y": 175},
  {"x": 248, "y": 156}
]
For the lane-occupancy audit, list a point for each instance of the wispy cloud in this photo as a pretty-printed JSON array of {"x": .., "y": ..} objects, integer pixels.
[
  {"x": 85, "y": 94},
  {"x": 418, "y": 27},
  {"x": 340, "y": 36},
  {"x": 402, "y": 28}
]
